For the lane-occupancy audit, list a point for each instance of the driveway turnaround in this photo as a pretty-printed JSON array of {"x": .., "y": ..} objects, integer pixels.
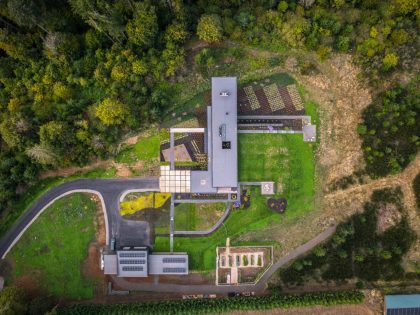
[{"x": 109, "y": 191}]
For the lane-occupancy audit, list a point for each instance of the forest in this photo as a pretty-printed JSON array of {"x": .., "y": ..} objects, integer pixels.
[
  {"x": 77, "y": 75},
  {"x": 363, "y": 247}
]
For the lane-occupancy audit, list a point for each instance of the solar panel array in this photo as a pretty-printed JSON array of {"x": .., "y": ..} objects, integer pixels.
[
  {"x": 132, "y": 255},
  {"x": 171, "y": 260},
  {"x": 132, "y": 268},
  {"x": 132, "y": 262},
  {"x": 403, "y": 311},
  {"x": 174, "y": 270}
]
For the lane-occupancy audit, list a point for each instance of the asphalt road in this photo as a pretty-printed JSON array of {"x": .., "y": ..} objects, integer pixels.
[{"x": 110, "y": 191}]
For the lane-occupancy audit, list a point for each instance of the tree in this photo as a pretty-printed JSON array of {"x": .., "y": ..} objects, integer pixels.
[
  {"x": 13, "y": 301},
  {"x": 143, "y": 28},
  {"x": 112, "y": 112},
  {"x": 28, "y": 13},
  {"x": 176, "y": 33},
  {"x": 210, "y": 28},
  {"x": 102, "y": 16},
  {"x": 42, "y": 154},
  {"x": 389, "y": 61},
  {"x": 16, "y": 45}
]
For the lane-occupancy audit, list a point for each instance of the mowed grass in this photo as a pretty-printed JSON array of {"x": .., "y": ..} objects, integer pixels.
[
  {"x": 202, "y": 250},
  {"x": 52, "y": 250},
  {"x": 198, "y": 216},
  {"x": 145, "y": 149},
  {"x": 283, "y": 158},
  {"x": 262, "y": 157}
]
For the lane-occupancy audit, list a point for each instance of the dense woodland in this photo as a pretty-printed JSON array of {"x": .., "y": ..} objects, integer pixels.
[
  {"x": 76, "y": 75},
  {"x": 360, "y": 248}
]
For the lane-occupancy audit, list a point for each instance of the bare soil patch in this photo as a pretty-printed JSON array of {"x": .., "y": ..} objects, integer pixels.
[
  {"x": 67, "y": 171},
  {"x": 388, "y": 216},
  {"x": 29, "y": 284},
  {"x": 91, "y": 266}
]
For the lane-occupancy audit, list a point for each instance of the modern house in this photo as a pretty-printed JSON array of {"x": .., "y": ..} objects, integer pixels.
[
  {"x": 220, "y": 176},
  {"x": 221, "y": 147}
]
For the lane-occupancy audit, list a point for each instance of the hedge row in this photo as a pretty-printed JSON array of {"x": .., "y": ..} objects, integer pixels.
[{"x": 206, "y": 306}]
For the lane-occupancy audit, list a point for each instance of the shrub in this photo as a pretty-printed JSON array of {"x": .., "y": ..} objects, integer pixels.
[
  {"x": 210, "y": 306},
  {"x": 210, "y": 28}
]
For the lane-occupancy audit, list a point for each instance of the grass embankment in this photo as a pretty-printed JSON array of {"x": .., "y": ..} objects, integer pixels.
[
  {"x": 275, "y": 157},
  {"x": 40, "y": 187},
  {"x": 52, "y": 250},
  {"x": 198, "y": 216},
  {"x": 145, "y": 149}
]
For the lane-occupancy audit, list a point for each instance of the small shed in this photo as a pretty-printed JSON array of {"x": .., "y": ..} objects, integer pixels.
[{"x": 407, "y": 304}]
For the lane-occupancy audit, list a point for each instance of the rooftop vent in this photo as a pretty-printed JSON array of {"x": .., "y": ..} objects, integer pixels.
[{"x": 224, "y": 93}]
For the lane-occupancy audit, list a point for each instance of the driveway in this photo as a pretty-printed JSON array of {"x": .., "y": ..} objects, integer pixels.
[{"x": 109, "y": 190}]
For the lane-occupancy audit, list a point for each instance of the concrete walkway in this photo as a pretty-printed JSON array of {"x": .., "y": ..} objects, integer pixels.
[{"x": 214, "y": 289}]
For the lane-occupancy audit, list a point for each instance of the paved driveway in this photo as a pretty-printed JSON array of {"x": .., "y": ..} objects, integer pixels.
[{"x": 110, "y": 190}]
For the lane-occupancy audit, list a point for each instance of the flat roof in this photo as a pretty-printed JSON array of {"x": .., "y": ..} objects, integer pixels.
[
  {"x": 201, "y": 182},
  {"x": 132, "y": 263},
  {"x": 168, "y": 264},
  {"x": 309, "y": 133},
  {"x": 110, "y": 264},
  {"x": 224, "y": 160},
  {"x": 403, "y": 301}
]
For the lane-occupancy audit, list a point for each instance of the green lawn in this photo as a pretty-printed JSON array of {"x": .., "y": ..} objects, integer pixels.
[
  {"x": 261, "y": 157},
  {"x": 146, "y": 148},
  {"x": 198, "y": 216},
  {"x": 284, "y": 159},
  {"x": 52, "y": 250}
]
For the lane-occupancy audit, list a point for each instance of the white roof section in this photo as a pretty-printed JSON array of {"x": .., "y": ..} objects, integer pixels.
[
  {"x": 132, "y": 263},
  {"x": 110, "y": 264},
  {"x": 224, "y": 160},
  {"x": 168, "y": 264},
  {"x": 309, "y": 133}
]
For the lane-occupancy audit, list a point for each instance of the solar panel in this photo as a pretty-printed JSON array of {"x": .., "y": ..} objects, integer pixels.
[
  {"x": 174, "y": 270},
  {"x": 132, "y": 268},
  {"x": 170, "y": 260},
  {"x": 131, "y": 255},
  {"x": 403, "y": 311},
  {"x": 132, "y": 262}
]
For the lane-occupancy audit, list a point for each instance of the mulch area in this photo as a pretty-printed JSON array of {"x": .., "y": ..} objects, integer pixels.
[
  {"x": 244, "y": 107},
  {"x": 277, "y": 205},
  {"x": 245, "y": 199}
]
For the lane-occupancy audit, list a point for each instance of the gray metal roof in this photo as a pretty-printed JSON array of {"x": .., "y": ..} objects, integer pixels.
[
  {"x": 201, "y": 182},
  {"x": 132, "y": 263},
  {"x": 168, "y": 264},
  {"x": 110, "y": 264},
  {"x": 224, "y": 162}
]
